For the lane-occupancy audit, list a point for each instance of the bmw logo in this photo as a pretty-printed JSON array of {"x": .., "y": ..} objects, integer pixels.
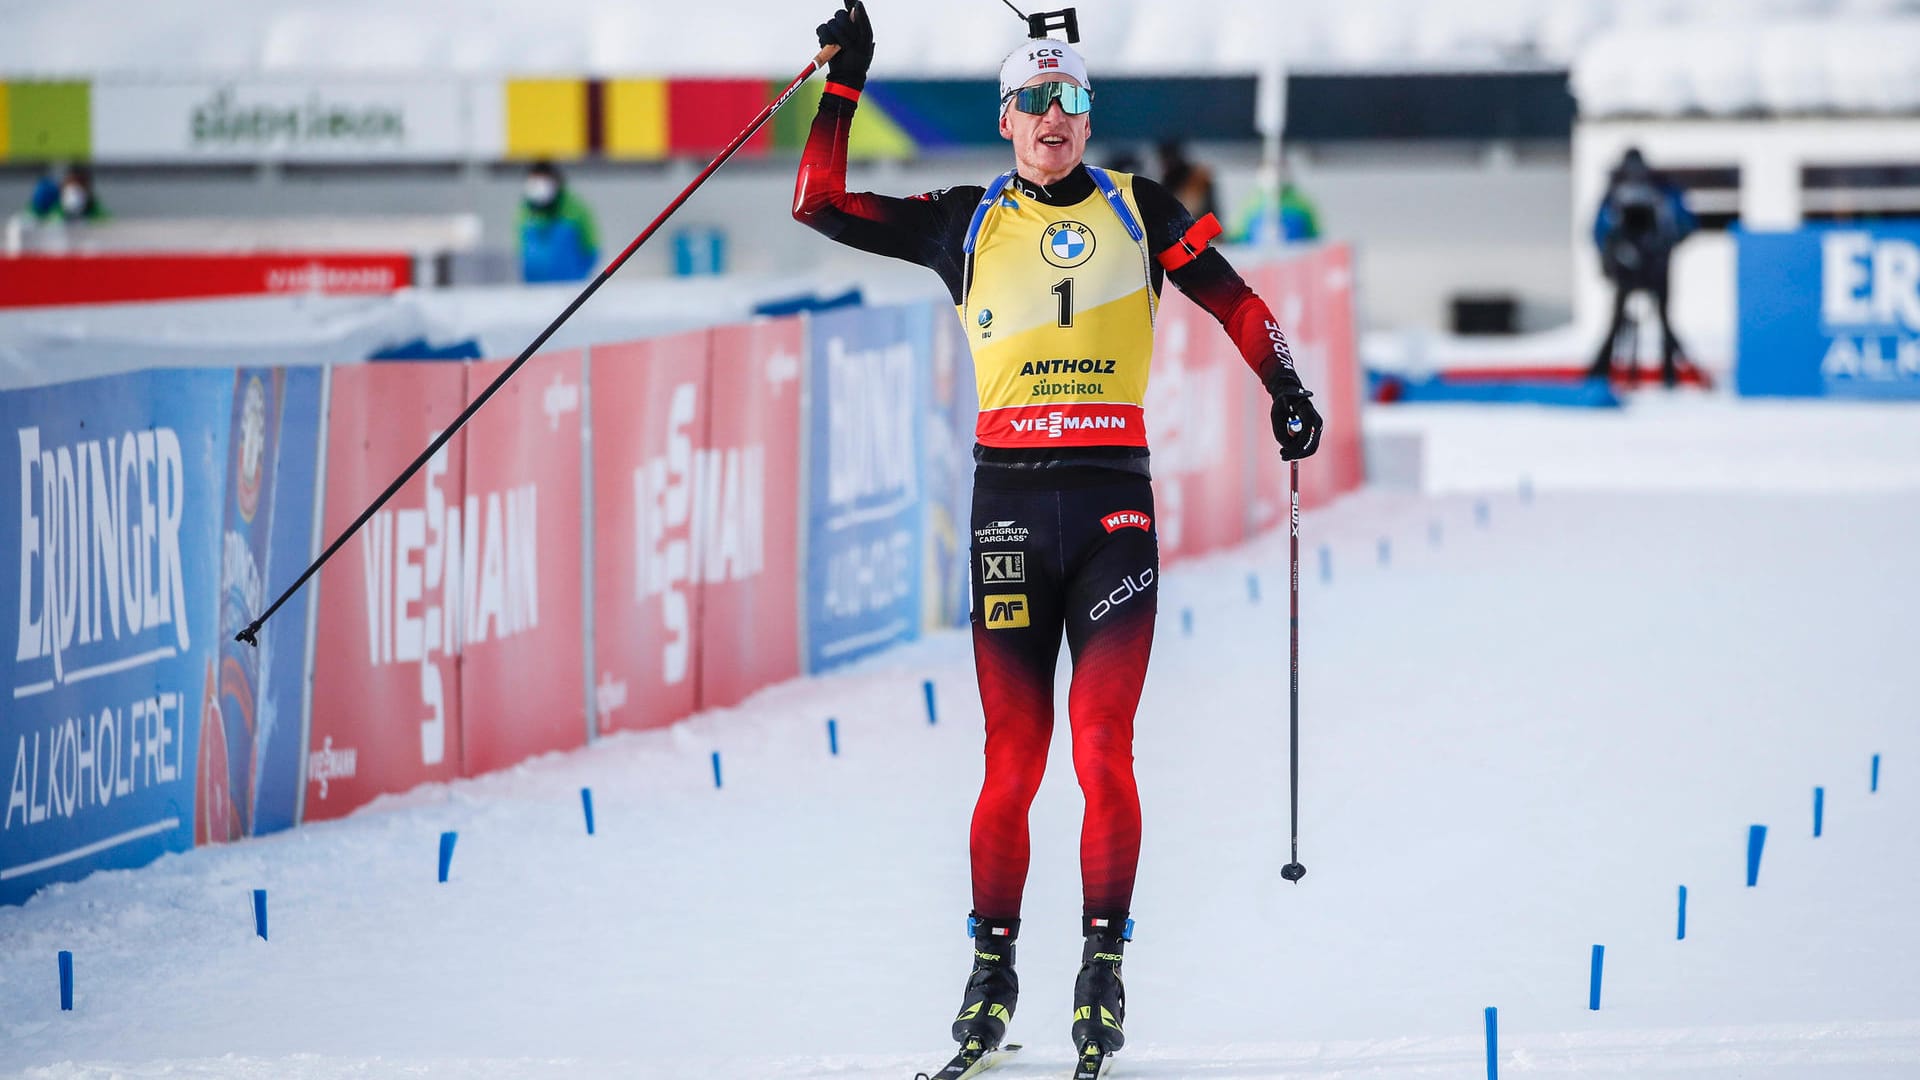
[
  {"x": 1067, "y": 244},
  {"x": 986, "y": 318}
]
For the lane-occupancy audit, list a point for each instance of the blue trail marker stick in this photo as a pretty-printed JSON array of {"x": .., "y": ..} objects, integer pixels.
[
  {"x": 1874, "y": 785},
  {"x": 1593, "y": 988},
  {"x": 1186, "y": 621},
  {"x": 933, "y": 716},
  {"x": 1756, "y": 840},
  {"x": 1819, "y": 809},
  {"x": 446, "y": 853},
  {"x": 586, "y": 807},
  {"x": 260, "y": 913},
  {"x": 1493, "y": 1043},
  {"x": 716, "y": 768},
  {"x": 66, "y": 981},
  {"x": 1386, "y": 551},
  {"x": 1681, "y": 935},
  {"x": 1253, "y": 588},
  {"x": 1480, "y": 515},
  {"x": 833, "y": 736},
  {"x": 1326, "y": 565}
]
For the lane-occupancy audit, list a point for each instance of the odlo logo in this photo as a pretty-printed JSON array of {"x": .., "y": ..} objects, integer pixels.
[
  {"x": 1007, "y": 611},
  {"x": 1128, "y": 588}
]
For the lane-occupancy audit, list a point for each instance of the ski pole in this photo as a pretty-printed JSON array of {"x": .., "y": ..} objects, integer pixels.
[
  {"x": 250, "y": 635},
  {"x": 1293, "y": 871}
]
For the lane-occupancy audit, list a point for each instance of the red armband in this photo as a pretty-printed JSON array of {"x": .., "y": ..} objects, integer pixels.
[
  {"x": 1189, "y": 247},
  {"x": 847, "y": 92}
]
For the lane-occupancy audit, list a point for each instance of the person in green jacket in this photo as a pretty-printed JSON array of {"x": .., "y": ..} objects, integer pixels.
[
  {"x": 1295, "y": 215},
  {"x": 557, "y": 238},
  {"x": 68, "y": 198}
]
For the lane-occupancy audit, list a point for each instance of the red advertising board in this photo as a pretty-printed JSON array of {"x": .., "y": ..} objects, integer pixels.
[
  {"x": 523, "y": 668},
  {"x": 1196, "y": 421},
  {"x": 47, "y": 280},
  {"x": 386, "y": 686},
  {"x": 651, "y": 403},
  {"x": 1312, "y": 297},
  {"x": 747, "y": 514}
]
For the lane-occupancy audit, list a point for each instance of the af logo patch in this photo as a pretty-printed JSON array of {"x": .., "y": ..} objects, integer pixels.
[
  {"x": 1067, "y": 244},
  {"x": 1003, "y": 567},
  {"x": 1007, "y": 611}
]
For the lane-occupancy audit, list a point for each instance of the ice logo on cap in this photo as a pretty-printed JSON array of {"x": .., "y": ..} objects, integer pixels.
[{"x": 1067, "y": 244}]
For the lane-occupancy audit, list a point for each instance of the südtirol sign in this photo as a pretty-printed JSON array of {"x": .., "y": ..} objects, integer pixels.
[{"x": 284, "y": 119}]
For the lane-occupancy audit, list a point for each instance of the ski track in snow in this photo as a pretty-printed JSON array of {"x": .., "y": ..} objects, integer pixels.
[{"x": 1517, "y": 741}]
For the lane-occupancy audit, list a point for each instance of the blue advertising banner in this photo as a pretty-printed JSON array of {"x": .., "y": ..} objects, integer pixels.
[
  {"x": 864, "y": 513},
  {"x": 952, "y": 405},
  {"x": 251, "y": 737},
  {"x": 110, "y": 508},
  {"x": 1832, "y": 311}
]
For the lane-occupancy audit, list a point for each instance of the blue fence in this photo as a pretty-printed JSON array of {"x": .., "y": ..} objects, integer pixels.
[
  {"x": 153, "y": 515},
  {"x": 1831, "y": 312},
  {"x": 864, "y": 486},
  {"x": 112, "y": 515}
]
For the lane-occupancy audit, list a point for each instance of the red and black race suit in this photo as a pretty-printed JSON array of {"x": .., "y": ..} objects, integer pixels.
[
  {"x": 1063, "y": 537},
  {"x": 1076, "y": 552}
]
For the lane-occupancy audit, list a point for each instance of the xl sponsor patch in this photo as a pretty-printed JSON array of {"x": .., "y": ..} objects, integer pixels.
[
  {"x": 1003, "y": 567},
  {"x": 1007, "y": 611}
]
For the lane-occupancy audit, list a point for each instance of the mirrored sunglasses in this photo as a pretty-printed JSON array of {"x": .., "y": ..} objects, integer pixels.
[{"x": 1074, "y": 99}]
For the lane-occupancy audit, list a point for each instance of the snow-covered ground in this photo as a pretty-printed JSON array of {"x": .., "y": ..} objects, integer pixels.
[{"x": 1519, "y": 738}]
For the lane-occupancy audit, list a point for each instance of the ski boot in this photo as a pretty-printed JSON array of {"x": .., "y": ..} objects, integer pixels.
[
  {"x": 1099, "y": 1000},
  {"x": 992, "y": 987}
]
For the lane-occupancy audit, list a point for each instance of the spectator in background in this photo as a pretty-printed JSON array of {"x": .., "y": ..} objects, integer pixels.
[
  {"x": 1641, "y": 220},
  {"x": 557, "y": 237},
  {"x": 1190, "y": 181},
  {"x": 1289, "y": 219},
  {"x": 70, "y": 197}
]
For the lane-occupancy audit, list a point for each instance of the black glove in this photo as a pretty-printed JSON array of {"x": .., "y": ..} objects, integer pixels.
[
  {"x": 1296, "y": 423},
  {"x": 850, "y": 30}
]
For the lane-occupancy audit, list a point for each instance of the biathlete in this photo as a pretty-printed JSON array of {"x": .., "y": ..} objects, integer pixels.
[{"x": 1056, "y": 268}]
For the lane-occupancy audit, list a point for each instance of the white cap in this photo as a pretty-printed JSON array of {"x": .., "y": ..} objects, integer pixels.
[{"x": 1040, "y": 56}]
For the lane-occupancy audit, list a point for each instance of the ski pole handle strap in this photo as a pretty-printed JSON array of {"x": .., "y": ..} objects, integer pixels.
[{"x": 1188, "y": 247}]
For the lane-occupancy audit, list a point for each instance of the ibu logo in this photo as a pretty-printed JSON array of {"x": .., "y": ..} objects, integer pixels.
[
  {"x": 986, "y": 318},
  {"x": 1067, "y": 244}
]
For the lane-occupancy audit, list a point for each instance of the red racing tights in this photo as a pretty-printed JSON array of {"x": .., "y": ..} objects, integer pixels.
[{"x": 1058, "y": 549}]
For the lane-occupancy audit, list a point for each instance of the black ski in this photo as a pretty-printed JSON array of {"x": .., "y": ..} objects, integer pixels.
[
  {"x": 972, "y": 1060},
  {"x": 1093, "y": 1062}
]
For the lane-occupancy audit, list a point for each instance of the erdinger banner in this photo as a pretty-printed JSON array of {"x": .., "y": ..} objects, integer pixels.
[
  {"x": 746, "y": 519},
  {"x": 653, "y": 476},
  {"x": 1312, "y": 298},
  {"x": 110, "y": 515},
  {"x": 396, "y": 603},
  {"x": 1831, "y": 312},
  {"x": 1194, "y": 411},
  {"x": 523, "y": 669},
  {"x": 864, "y": 509},
  {"x": 248, "y": 780}
]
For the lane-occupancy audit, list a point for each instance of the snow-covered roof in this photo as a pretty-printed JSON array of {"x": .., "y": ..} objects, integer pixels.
[
  {"x": 1791, "y": 66},
  {"x": 766, "y": 37}
]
